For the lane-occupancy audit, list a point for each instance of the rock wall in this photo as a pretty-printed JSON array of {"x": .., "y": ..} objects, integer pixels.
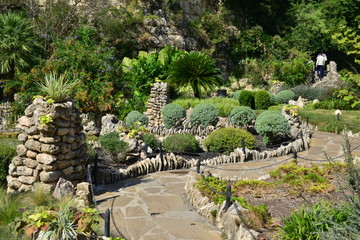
[
  {"x": 332, "y": 78},
  {"x": 48, "y": 151},
  {"x": 159, "y": 97}
]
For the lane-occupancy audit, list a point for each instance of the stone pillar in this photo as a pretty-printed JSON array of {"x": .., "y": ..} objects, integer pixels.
[
  {"x": 159, "y": 97},
  {"x": 49, "y": 151}
]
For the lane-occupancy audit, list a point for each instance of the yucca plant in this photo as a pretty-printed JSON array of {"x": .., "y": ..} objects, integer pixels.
[
  {"x": 57, "y": 87},
  {"x": 196, "y": 70}
]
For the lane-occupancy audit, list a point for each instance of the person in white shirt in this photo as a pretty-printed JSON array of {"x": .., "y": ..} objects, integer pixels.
[{"x": 320, "y": 63}]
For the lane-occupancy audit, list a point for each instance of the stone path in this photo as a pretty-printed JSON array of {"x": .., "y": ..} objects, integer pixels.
[{"x": 154, "y": 207}]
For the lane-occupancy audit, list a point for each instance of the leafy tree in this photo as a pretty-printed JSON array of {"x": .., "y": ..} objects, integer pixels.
[
  {"x": 196, "y": 70},
  {"x": 19, "y": 45}
]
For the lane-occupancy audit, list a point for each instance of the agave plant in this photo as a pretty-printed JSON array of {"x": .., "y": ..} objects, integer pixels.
[
  {"x": 57, "y": 87},
  {"x": 196, "y": 70}
]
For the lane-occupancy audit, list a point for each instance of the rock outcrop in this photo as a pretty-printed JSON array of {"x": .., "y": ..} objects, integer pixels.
[{"x": 53, "y": 146}]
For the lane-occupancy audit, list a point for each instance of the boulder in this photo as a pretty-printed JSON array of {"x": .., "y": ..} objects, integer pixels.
[{"x": 63, "y": 188}]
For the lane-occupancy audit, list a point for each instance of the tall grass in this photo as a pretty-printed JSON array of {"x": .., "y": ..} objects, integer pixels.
[{"x": 10, "y": 206}]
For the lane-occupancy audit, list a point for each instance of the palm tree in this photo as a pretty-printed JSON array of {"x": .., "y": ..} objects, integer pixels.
[
  {"x": 196, "y": 70},
  {"x": 19, "y": 44}
]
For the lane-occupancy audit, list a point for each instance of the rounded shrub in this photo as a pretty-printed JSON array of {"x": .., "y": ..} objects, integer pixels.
[
  {"x": 172, "y": 113},
  {"x": 284, "y": 96},
  {"x": 262, "y": 100},
  {"x": 236, "y": 94},
  {"x": 246, "y": 98},
  {"x": 179, "y": 142},
  {"x": 271, "y": 125},
  {"x": 204, "y": 114},
  {"x": 272, "y": 99},
  {"x": 136, "y": 116},
  {"x": 225, "y": 140},
  {"x": 151, "y": 140},
  {"x": 112, "y": 143},
  {"x": 242, "y": 116}
]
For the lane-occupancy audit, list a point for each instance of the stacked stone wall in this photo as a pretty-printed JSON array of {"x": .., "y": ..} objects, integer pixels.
[
  {"x": 159, "y": 97},
  {"x": 48, "y": 151}
]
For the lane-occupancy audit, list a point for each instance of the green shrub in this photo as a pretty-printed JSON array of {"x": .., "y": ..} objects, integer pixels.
[
  {"x": 151, "y": 140},
  {"x": 272, "y": 99},
  {"x": 172, "y": 113},
  {"x": 242, "y": 116},
  {"x": 335, "y": 104},
  {"x": 272, "y": 125},
  {"x": 225, "y": 140},
  {"x": 135, "y": 116},
  {"x": 308, "y": 92},
  {"x": 284, "y": 96},
  {"x": 307, "y": 222},
  {"x": 178, "y": 143},
  {"x": 7, "y": 152},
  {"x": 236, "y": 94},
  {"x": 204, "y": 114},
  {"x": 262, "y": 100},
  {"x": 246, "y": 98},
  {"x": 111, "y": 142},
  {"x": 223, "y": 105}
]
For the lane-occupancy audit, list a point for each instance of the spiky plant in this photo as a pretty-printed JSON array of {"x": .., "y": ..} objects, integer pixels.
[
  {"x": 19, "y": 45},
  {"x": 57, "y": 87},
  {"x": 196, "y": 70}
]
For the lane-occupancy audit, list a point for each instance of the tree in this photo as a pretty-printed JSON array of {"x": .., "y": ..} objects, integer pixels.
[
  {"x": 196, "y": 70},
  {"x": 19, "y": 45}
]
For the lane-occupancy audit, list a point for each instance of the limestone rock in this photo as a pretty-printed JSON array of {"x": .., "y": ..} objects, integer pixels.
[
  {"x": 63, "y": 188},
  {"x": 50, "y": 176}
]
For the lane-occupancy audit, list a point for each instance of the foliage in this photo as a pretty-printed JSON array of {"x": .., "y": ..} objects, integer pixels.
[
  {"x": 63, "y": 223},
  {"x": 179, "y": 143},
  {"x": 7, "y": 152},
  {"x": 56, "y": 87},
  {"x": 172, "y": 113},
  {"x": 284, "y": 96},
  {"x": 225, "y": 140},
  {"x": 45, "y": 119},
  {"x": 223, "y": 105},
  {"x": 20, "y": 47},
  {"x": 292, "y": 110},
  {"x": 300, "y": 179},
  {"x": 272, "y": 125},
  {"x": 242, "y": 116},
  {"x": 203, "y": 115},
  {"x": 262, "y": 100},
  {"x": 136, "y": 116},
  {"x": 348, "y": 39},
  {"x": 309, "y": 93},
  {"x": 236, "y": 94},
  {"x": 151, "y": 140},
  {"x": 350, "y": 94},
  {"x": 9, "y": 207},
  {"x": 246, "y": 98},
  {"x": 306, "y": 222},
  {"x": 111, "y": 142},
  {"x": 196, "y": 70},
  {"x": 335, "y": 104}
]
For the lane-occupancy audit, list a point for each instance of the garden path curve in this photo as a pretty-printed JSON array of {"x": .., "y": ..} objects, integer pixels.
[{"x": 154, "y": 207}]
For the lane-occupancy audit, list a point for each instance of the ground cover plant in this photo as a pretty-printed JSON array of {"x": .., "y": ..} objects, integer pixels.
[{"x": 290, "y": 187}]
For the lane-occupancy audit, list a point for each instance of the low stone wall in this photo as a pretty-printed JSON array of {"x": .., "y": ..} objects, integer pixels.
[
  {"x": 228, "y": 221},
  {"x": 162, "y": 131},
  {"x": 170, "y": 161}
]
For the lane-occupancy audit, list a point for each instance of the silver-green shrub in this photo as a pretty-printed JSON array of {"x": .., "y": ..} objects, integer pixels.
[
  {"x": 284, "y": 96},
  {"x": 242, "y": 116},
  {"x": 136, "y": 116},
  {"x": 203, "y": 115},
  {"x": 272, "y": 125},
  {"x": 171, "y": 114}
]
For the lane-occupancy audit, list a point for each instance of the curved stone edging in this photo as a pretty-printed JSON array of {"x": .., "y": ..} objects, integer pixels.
[
  {"x": 228, "y": 221},
  {"x": 171, "y": 161},
  {"x": 162, "y": 131}
]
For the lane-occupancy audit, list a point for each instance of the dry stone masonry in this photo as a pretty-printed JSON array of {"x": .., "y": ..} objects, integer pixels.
[
  {"x": 48, "y": 151},
  {"x": 159, "y": 97}
]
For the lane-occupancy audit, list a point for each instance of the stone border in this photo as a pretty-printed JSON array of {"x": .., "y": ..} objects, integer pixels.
[
  {"x": 228, "y": 221},
  {"x": 171, "y": 161}
]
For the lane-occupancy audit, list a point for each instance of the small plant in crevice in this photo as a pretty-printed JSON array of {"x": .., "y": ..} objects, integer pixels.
[{"x": 45, "y": 119}]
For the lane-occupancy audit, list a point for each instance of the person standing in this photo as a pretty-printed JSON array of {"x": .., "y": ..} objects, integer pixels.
[{"x": 320, "y": 63}]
